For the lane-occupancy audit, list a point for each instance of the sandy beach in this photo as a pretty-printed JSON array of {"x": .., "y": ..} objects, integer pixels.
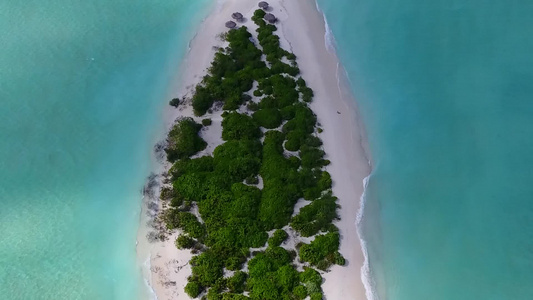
[{"x": 302, "y": 30}]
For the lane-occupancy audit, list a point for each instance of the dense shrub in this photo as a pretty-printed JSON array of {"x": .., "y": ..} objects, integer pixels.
[
  {"x": 238, "y": 126},
  {"x": 277, "y": 238},
  {"x": 283, "y": 89},
  {"x": 174, "y": 102},
  {"x": 236, "y": 282},
  {"x": 252, "y": 180},
  {"x": 295, "y": 139},
  {"x": 222, "y": 66},
  {"x": 190, "y": 224},
  {"x": 234, "y": 100},
  {"x": 187, "y": 166},
  {"x": 202, "y": 100},
  {"x": 193, "y": 289},
  {"x": 312, "y": 280},
  {"x": 271, "y": 275},
  {"x": 166, "y": 193},
  {"x": 301, "y": 82},
  {"x": 230, "y": 296},
  {"x": 269, "y": 118},
  {"x": 291, "y": 56},
  {"x": 258, "y": 15},
  {"x": 300, "y": 292},
  {"x": 307, "y": 94},
  {"x": 339, "y": 259},
  {"x": 287, "y": 278},
  {"x": 191, "y": 186},
  {"x": 316, "y": 296},
  {"x": 315, "y": 216},
  {"x": 320, "y": 247},
  {"x": 280, "y": 190},
  {"x": 253, "y": 106},
  {"x": 183, "y": 140},
  {"x": 304, "y": 119},
  {"x": 185, "y": 242},
  {"x": 234, "y": 263},
  {"x": 312, "y": 157},
  {"x": 236, "y": 216},
  {"x": 241, "y": 49},
  {"x": 324, "y": 264},
  {"x": 238, "y": 159},
  {"x": 207, "y": 268},
  {"x": 325, "y": 181},
  {"x": 310, "y": 275},
  {"x": 268, "y": 102},
  {"x": 232, "y": 73}
]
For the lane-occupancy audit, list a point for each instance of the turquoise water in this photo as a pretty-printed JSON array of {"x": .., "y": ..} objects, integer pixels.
[
  {"x": 82, "y": 88},
  {"x": 446, "y": 90}
]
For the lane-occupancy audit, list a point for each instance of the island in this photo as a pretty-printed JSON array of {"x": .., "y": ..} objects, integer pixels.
[{"x": 246, "y": 193}]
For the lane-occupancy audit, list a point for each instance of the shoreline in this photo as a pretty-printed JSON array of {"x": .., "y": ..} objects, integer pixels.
[
  {"x": 165, "y": 268},
  {"x": 350, "y": 165}
]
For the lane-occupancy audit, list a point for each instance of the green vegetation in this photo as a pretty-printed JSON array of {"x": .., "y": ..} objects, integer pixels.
[
  {"x": 215, "y": 200},
  {"x": 185, "y": 242},
  {"x": 193, "y": 289},
  {"x": 312, "y": 280},
  {"x": 183, "y": 140},
  {"x": 280, "y": 183},
  {"x": 316, "y": 216},
  {"x": 187, "y": 222},
  {"x": 236, "y": 126},
  {"x": 237, "y": 281},
  {"x": 321, "y": 250},
  {"x": 207, "y": 122},
  {"x": 277, "y": 238},
  {"x": 231, "y": 74},
  {"x": 175, "y": 102},
  {"x": 269, "y": 118}
]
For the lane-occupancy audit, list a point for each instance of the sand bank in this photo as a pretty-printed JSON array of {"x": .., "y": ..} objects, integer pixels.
[{"x": 302, "y": 30}]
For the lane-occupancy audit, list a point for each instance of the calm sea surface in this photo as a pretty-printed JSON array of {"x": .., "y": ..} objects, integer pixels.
[
  {"x": 445, "y": 89},
  {"x": 82, "y": 87},
  {"x": 446, "y": 93}
]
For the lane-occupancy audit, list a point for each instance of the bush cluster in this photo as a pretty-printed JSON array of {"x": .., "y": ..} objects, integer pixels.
[
  {"x": 277, "y": 238},
  {"x": 236, "y": 126},
  {"x": 322, "y": 250},
  {"x": 175, "y": 102},
  {"x": 271, "y": 275},
  {"x": 234, "y": 214},
  {"x": 316, "y": 216},
  {"x": 280, "y": 183},
  {"x": 183, "y": 140},
  {"x": 185, "y": 242},
  {"x": 207, "y": 122},
  {"x": 231, "y": 74},
  {"x": 268, "y": 117}
]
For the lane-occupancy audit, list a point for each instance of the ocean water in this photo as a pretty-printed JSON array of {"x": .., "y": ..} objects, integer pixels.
[
  {"x": 445, "y": 89},
  {"x": 82, "y": 87}
]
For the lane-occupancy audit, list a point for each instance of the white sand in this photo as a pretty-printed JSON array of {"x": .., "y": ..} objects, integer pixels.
[{"x": 166, "y": 267}]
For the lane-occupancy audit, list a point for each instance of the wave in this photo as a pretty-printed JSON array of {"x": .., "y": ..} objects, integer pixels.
[
  {"x": 328, "y": 36},
  {"x": 147, "y": 281},
  {"x": 366, "y": 274}
]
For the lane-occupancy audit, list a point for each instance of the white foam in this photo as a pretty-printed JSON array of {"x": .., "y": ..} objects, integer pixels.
[
  {"x": 147, "y": 281},
  {"x": 330, "y": 40},
  {"x": 328, "y": 36},
  {"x": 366, "y": 275}
]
